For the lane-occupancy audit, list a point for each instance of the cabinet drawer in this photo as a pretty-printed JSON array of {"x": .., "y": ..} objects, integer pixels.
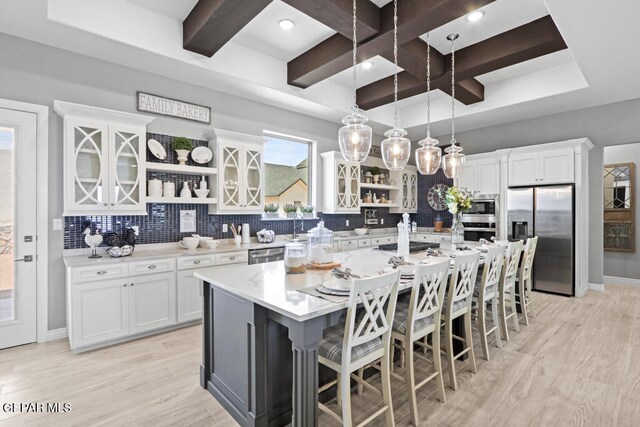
[
  {"x": 196, "y": 261},
  {"x": 152, "y": 266},
  {"x": 364, "y": 243},
  {"x": 382, "y": 240},
  {"x": 348, "y": 245},
  {"x": 93, "y": 273},
  {"x": 238, "y": 257}
]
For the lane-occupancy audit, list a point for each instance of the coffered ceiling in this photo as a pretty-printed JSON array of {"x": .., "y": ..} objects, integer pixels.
[{"x": 256, "y": 61}]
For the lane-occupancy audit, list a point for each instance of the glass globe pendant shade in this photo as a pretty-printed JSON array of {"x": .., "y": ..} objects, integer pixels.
[
  {"x": 453, "y": 161},
  {"x": 355, "y": 137},
  {"x": 396, "y": 149},
  {"x": 428, "y": 156}
]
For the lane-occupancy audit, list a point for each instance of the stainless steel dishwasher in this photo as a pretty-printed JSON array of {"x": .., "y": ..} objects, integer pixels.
[{"x": 260, "y": 256}]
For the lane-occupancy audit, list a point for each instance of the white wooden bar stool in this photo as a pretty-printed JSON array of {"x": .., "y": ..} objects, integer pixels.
[
  {"x": 524, "y": 277},
  {"x": 364, "y": 338},
  {"x": 458, "y": 304},
  {"x": 416, "y": 320},
  {"x": 507, "y": 294},
  {"x": 486, "y": 292}
]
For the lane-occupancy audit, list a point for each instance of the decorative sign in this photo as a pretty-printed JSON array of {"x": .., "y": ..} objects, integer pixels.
[
  {"x": 188, "y": 221},
  {"x": 173, "y": 108},
  {"x": 375, "y": 151}
]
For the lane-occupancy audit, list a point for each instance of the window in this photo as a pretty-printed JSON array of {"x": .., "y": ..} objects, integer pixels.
[{"x": 288, "y": 171}]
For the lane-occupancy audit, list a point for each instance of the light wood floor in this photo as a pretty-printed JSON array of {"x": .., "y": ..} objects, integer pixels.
[{"x": 577, "y": 364}]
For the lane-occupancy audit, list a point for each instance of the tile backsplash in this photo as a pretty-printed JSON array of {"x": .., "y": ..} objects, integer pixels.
[{"x": 162, "y": 222}]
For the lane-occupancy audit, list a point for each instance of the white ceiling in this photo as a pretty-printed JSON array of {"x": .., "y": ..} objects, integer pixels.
[{"x": 147, "y": 35}]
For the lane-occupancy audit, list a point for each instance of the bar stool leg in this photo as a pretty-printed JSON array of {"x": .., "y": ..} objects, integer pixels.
[
  {"x": 386, "y": 389},
  {"x": 482, "y": 327},
  {"x": 339, "y": 391},
  {"x": 514, "y": 310},
  {"x": 448, "y": 337},
  {"x": 437, "y": 364},
  {"x": 469, "y": 341},
  {"x": 361, "y": 376},
  {"x": 345, "y": 390},
  {"x": 523, "y": 302},
  {"x": 411, "y": 382},
  {"x": 496, "y": 323}
]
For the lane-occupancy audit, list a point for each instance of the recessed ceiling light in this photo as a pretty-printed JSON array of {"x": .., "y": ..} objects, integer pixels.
[
  {"x": 475, "y": 16},
  {"x": 366, "y": 65},
  {"x": 286, "y": 24}
]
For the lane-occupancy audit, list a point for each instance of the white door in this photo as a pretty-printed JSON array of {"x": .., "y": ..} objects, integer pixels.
[
  {"x": 17, "y": 228},
  {"x": 152, "y": 302},
  {"x": 189, "y": 297}
]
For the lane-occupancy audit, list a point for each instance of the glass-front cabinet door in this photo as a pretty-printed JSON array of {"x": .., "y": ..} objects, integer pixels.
[
  {"x": 229, "y": 170},
  {"x": 125, "y": 180},
  {"x": 86, "y": 166},
  {"x": 342, "y": 201},
  {"x": 254, "y": 179},
  {"x": 413, "y": 191},
  {"x": 405, "y": 190},
  {"x": 354, "y": 187}
]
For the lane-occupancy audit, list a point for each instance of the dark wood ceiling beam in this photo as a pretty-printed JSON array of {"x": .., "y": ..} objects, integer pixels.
[
  {"x": 212, "y": 23},
  {"x": 338, "y": 15},
  {"x": 415, "y": 17},
  {"x": 526, "y": 42}
]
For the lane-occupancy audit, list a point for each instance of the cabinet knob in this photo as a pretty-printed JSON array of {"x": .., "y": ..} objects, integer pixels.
[
  {"x": 124, "y": 286},
  {"x": 113, "y": 204},
  {"x": 196, "y": 262},
  {"x": 105, "y": 204},
  {"x": 101, "y": 272},
  {"x": 132, "y": 284},
  {"x": 232, "y": 258},
  {"x": 152, "y": 266}
]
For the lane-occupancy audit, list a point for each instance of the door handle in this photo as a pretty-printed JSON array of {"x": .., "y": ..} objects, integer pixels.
[{"x": 27, "y": 258}]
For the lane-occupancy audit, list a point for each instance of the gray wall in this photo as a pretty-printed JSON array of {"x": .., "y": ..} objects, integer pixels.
[
  {"x": 623, "y": 264},
  {"x": 605, "y": 125},
  {"x": 39, "y": 74}
]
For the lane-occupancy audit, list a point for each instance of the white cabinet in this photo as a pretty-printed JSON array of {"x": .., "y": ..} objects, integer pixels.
[
  {"x": 407, "y": 195},
  {"x": 152, "y": 302},
  {"x": 104, "y": 160},
  {"x": 240, "y": 180},
  {"x": 543, "y": 167},
  {"x": 99, "y": 312},
  {"x": 340, "y": 185},
  {"x": 481, "y": 174},
  {"x": 189, "y": 297}
]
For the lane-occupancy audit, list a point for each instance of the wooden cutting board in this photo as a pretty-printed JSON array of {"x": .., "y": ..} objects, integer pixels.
[{"x": 327, "y": 266}]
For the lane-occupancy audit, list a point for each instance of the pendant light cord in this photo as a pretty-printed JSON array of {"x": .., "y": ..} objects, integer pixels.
[
  {"x": 453, "y": 90},
  {"x": 428, "y": 87},
  {"x": 355, "y": 48},
  {"x": 395, "y": 64}
]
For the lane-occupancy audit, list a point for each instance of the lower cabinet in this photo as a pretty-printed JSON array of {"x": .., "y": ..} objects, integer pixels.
[
  {"x": 189, "y": 296},
  {"x": 152, "y": 302}
]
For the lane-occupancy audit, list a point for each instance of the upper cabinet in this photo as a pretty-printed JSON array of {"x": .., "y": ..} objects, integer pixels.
[
  {"x": 341, "y": 184},
  {"x": 541, "y": 167},
  {"x": 104, "y": 160},
  {"x": 408, "y": 190},
  {"x": 481, "y": 174},
  {"x": 240, "y": 179}
]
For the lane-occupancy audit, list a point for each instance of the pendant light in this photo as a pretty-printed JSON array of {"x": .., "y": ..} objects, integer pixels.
[
  {"x": 428, "y": 156},
  {"x": 355, "y": 136},
  {"x": 396, "y": 149},
  {"x": 453, "y": 161}
]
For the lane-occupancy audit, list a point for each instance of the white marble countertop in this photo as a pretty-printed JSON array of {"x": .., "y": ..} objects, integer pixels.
[{"x": 269, "y": 286}]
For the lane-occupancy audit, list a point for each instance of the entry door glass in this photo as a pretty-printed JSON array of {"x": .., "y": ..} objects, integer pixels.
[{"x": 17, "y": 228}]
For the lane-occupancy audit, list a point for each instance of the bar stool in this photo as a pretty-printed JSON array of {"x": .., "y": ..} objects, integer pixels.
[
  {"x": 507, "y": 287},
  {"x": 458, "y": 304},
  {"x": 364, "y": 338},
  {"x": 524, "y": 277},
  {"x": 486, "y": 291},
  {"x": 415, "y": 320}
]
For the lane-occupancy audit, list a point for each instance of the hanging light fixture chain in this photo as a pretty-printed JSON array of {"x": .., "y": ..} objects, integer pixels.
[
  {"x": 355, "y": 59},
  {"x": 428, "y": 87},
  {"x": 395, "y": 64},
  {"x": 453, "y": 89}
]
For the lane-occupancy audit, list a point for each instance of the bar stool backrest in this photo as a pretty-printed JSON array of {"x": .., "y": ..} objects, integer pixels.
[
  {"x": 427, "y": 293},
  {"x": 493, "y": 263},
  {"x": 463, "y": 278},
  {"x": 512, "y": 260}
]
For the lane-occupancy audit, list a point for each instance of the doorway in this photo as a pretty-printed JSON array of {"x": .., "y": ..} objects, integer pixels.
[{"x": 18, "y": 210}]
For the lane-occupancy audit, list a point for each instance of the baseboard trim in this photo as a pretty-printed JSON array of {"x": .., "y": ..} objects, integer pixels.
[
  {"x": 598, "y": 287},
  {"x": 612, "y": 280},
  {"x": 56, "y": 334}
]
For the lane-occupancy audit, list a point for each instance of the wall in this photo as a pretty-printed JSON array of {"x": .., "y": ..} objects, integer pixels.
[{"x": 623, "y": 264}]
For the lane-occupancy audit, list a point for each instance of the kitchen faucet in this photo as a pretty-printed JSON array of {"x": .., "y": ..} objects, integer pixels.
[{"x": 297, "y": 217}]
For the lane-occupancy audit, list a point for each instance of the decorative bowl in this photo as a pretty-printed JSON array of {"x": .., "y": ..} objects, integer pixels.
[
  {"x": 201, "y": 192},
  {"x": 118, "y": 252},
  {"x": 361, "y": 231}
]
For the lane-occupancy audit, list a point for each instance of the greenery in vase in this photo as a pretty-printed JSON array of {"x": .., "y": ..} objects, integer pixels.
[
  {"x": 181, "y": 143},
  {"x": 290, "y": 208},
  {"x": 458, "y": 200},
  {"x": 271, "y": 207},
  {"x": 306, "y": 209},
  {"x": 375, "y": 170}
]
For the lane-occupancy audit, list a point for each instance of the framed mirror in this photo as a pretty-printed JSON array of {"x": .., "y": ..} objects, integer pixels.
[{"x": 619, "y": 207}]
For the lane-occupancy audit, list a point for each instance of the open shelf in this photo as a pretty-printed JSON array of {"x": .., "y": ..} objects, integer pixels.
[
  {"x": 184, "y": 200},
  {"x": 378, "y": 186},
  {"x": 183, "y": 169},
  {"x": 379, "y": 205}
]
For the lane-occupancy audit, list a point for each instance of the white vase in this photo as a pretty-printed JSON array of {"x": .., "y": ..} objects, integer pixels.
[
  {"x": 182, "y": 156},
  {"x": 185, "y": 193}
]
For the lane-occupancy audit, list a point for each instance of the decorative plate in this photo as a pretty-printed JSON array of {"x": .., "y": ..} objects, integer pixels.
[
  {"x": 201, "y": 155},
  {"x": 435, "y": 197},
  {"x": 157, "y": 149}
]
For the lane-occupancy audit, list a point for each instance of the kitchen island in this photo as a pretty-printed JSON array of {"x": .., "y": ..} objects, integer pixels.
[{"x": 261, "y": 335}]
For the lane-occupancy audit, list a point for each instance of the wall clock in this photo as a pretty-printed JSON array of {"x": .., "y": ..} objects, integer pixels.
[{"x": 435, "y": 197}]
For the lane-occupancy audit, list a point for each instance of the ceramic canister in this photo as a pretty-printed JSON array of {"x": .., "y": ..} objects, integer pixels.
[
  {"x": 155, "y": 188},
  {"x": 169, "y": 189}
]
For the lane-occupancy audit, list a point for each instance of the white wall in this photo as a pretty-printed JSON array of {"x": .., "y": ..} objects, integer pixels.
[
  {"x": 624, "y": 264},
  {"x": 39, "y": 74}
]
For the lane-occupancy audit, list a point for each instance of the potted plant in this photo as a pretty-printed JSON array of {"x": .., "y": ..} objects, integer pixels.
[
  {"x": 182, "y": 147},
  {"x": 290, "y": 209},
  {"x": 375, "y": 171},
  {"x": 307, "y": 211},
  {"x": 271, "y": 210}
]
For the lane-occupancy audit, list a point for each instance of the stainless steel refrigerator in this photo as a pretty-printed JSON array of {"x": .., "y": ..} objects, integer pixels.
[{"x": 546, "y": 212}]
